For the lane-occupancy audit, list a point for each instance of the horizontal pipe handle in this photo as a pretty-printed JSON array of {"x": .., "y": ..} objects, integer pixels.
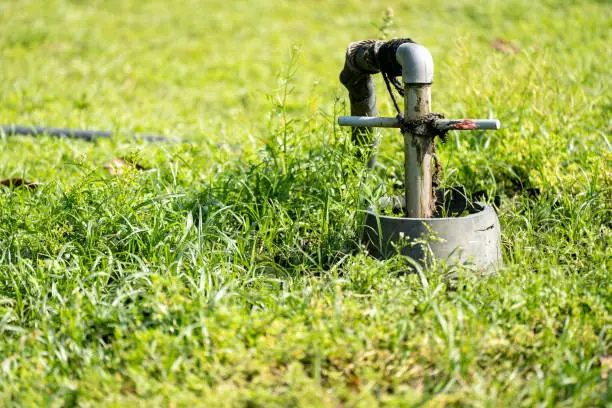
[
  {"x": 442, "y": 124},
  {"x": 468, "y": 124},
  {"x": 365, "y": 121}
]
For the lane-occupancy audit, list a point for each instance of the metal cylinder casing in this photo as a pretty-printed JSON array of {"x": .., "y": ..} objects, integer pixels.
[{"x": 473, "y": 239}]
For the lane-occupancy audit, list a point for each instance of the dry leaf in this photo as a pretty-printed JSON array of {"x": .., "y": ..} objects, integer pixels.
[
  {"x": 606, "y": 365},
  {"x": 115, "y": 166},
  {"x": 505, "y": 46},
  {"x": 18, "y": 182}
]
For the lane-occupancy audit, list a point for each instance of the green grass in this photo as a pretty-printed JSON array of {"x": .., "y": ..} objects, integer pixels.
[{"x": 229, "y": 273}]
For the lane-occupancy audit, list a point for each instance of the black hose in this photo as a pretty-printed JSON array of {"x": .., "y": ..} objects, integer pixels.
[
  {"x": 87, "y": 135},
  {"x": 362, "y": 60}
]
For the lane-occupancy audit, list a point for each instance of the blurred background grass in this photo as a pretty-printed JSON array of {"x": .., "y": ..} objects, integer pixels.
[{"x": 210, "y": 71}]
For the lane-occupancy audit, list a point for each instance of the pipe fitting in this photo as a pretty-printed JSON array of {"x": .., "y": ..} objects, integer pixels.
[{"x": 417, "y": 63}]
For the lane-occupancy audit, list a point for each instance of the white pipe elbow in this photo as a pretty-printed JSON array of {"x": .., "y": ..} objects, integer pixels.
[{"x": 417, "y": 63}]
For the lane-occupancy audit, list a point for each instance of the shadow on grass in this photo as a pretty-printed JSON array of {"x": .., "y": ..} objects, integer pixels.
[{"x": 288, "y": 212}]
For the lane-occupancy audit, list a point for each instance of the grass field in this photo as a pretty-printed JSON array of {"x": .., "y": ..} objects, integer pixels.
[{"x": 228, "y": 272}]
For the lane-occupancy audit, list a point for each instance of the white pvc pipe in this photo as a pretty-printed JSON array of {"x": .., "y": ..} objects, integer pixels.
[
  {"x": 418, "y": 155},
  {"x": 364, "y": 121},
  {"x": 468, "y": 124}
]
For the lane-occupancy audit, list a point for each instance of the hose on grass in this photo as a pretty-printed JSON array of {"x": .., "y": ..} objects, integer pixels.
[{"x": 79, "y": 134}]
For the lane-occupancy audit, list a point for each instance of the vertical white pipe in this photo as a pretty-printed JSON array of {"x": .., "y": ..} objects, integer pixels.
[
  {"x": 417, "y": 75},
  {"x": 418, "y": 153}
]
